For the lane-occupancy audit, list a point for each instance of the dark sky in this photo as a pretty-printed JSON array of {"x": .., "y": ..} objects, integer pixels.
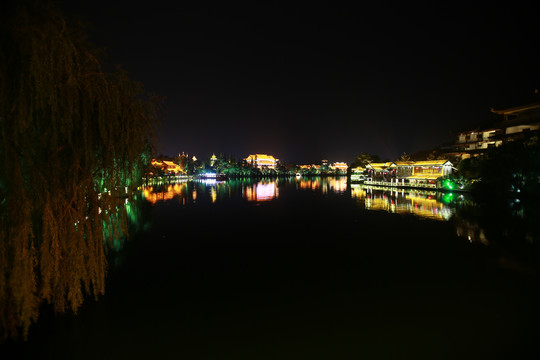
[{"x": 311, "y": 81}]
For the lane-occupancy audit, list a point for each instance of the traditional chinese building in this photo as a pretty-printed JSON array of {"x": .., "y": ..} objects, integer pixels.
[
  {"x": 213, "y": 159},
  {"x": 311, "y": 167},
  {"x": 404, "y": 169},
  {"x": 262, "y": 161},
  {"x": 168, "y": 167},
  {"x": 428, "y": 171},
  {"x": 381, "y": 171},
  {"x": 408, "y": 173},
  {"x": 341, "y": 166}
]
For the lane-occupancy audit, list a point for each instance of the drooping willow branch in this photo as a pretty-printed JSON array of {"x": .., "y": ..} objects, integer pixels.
[{"x": 69, "y": 134}]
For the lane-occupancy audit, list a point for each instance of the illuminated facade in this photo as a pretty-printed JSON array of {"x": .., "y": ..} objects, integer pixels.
[
  {"x": 168, "y": 167},
  {"x": 262, "y": 161},
  {"x": 381, "y": 171},
  {"x": 309, "y": 167},
  {"x": 408, "y": 173},
  {"x": 518, "y": 121},
  {"x": 213, "y": 159},
  {"x": 404, "y": 169},
  {"x": 427, "y": 172},
  {"x": 341, "y": 166},
  {"x": 358, "y": 173}
]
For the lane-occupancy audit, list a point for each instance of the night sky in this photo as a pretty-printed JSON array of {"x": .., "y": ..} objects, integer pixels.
[{"x": 309, "y": 81}]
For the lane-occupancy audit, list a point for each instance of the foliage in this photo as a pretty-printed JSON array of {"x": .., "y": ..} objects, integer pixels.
[
  {"x": 512, "y": 168},
  {"x": 68, "y": 133},
  {"x": 363, "y": 159},
  {"x": 436, "y": 155},
  {"x": 404, "y": 157}
]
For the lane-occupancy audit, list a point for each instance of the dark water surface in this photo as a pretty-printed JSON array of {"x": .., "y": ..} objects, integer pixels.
[{"x": 307, "y": 269}]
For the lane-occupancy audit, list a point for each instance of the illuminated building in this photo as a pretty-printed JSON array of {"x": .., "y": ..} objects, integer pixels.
[
  {"x": 262, "y": 161},
  {"x": 168, "y": 167},
  {"x": 381, "y": 171},
  {"x": 315, "y": 168},
  {"x": 358, "y": 173},
  {"x": 408, "y": 173},
  {"x": 341, "y": 166},
  {"x": 475, "y": 142},
  {"x": 404, "y": 169},
  {"x": 427, "y": 172},
  {"x": 519, "y": 121},
  {"x": 213, "y": 160}
]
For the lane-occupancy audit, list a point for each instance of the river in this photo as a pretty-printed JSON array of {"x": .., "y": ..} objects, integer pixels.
[{"x": 308, "y": 269}]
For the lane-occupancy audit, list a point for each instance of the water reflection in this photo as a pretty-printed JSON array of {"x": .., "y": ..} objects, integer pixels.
[
  {"x": 503, "y": 222},
  {"x": 422, "y": 203},
  {"x": 477, "y": 223},
  {"x": 263, "y": 190},
  {"x": 156, "y": 193},
  {"x": 212, "y": 190},
  {"x": 253, "y": 190},
  {"x": 326, "y": 184}
]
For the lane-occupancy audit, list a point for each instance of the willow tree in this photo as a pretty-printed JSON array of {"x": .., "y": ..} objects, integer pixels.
[{"x": 71, "y": 136}]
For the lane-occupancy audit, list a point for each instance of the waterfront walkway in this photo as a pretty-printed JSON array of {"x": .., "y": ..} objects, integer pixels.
[{"x": 401, "y": 184}]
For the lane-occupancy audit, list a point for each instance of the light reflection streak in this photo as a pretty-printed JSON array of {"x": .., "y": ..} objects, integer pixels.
[
  {"x": 326, "y": 185},
  {"x": 153, "y": 195},
  {"x": 423, "y": 204},
  {"x": 261, "y": 191}
]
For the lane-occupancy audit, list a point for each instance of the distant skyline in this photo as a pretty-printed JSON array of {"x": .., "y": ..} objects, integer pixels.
[{"x": 309, "y": 82}]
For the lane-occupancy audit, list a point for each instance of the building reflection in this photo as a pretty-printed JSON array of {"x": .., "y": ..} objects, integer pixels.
[
  {"x": 335, "y": 185},
  {"x": 500, "y": 222},
  {"x": 263, "y": 190},
  {"x": 309, "y": 183},
  {"x": 153, "y": 194},
  {"x": 210, "y": 190},
  {"x": 325, "y": 185},
  {"x": 258, "y": 190},
  {"x": 422, "y": 203},
  {"x": 470, "y": 230}
]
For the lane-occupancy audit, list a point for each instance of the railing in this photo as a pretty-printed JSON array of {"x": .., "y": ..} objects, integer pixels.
[
  {"x": 155, "y": 180},
  {"x": 400, "y": 184}
]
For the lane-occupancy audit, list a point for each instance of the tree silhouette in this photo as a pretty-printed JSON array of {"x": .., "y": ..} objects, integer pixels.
[
  {"x": 70, "y": 134},
  {"x": 364, "y": 158},
  {"x": 404, "y": 157}
]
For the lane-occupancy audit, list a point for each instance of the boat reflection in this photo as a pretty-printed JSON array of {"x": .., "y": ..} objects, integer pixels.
[{"x": 421, "y": 203}]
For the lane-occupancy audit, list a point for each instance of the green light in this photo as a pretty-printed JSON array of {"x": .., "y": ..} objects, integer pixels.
[
  {"x": 447, "y": 198},
  {"x": 449, "y": 184}
]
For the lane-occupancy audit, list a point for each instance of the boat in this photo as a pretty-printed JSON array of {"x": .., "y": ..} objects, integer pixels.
[{"x": 212, "y": 176}]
